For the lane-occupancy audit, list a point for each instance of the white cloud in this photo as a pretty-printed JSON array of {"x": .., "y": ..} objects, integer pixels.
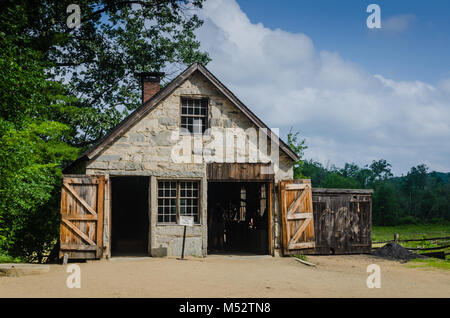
[
  {"x": 346, "y": 113},
  {"x": 397, "y": 23}
]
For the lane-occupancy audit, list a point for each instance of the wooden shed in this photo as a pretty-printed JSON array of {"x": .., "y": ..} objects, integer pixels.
[{"x": 325, "y": 221}]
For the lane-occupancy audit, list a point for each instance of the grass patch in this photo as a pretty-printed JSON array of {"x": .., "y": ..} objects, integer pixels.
[
  {"x": 432, "y": 262},
  {"x": 410, "y": 231},
  {"x": 8, "y": 259},
  {"x": 302, "y": 257},
  {"x": 407, "y": 232}
]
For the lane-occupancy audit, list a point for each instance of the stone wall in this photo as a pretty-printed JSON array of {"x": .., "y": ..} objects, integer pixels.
[{"x": 147, "y": 149}]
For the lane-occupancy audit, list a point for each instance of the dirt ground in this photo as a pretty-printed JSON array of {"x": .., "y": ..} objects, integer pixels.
[{"x": 233, "y": 276}]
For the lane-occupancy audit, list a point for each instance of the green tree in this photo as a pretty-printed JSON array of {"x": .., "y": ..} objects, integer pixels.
[
  {"x": 363, "y": 176},
  {"x": 413, "y": 187},
  {"x": 386, "y": 209},
  {"x": 62, "y": 89},
  {"x": 335, "y": 180},
  {"x": 315, "y": 171},
  {"x": 32, "y": 144},
  {"x": 298, "y": 147},
  {"x": 101, "y": 58},
  {"x": 381, "y": 170}
]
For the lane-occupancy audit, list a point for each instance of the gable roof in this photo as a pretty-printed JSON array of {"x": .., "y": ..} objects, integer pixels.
[{"x": 150, "y": 104}]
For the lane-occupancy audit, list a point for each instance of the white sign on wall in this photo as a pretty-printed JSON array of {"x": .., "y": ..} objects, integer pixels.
[{"x": 186, "y": 220}]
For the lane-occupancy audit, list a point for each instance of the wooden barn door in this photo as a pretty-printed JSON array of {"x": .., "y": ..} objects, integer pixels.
[
  {"x": 81, "y": 230},
  {"x": 297, "y": 215}
]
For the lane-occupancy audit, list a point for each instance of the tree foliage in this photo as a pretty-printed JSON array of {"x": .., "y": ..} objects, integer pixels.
[
  {"x": 418, "y": 197},
  {"x": 62, "y": 89},
  {"x": 100, "y": 60},
  {"x": 298, "y": 147},
  {"x": 32, "y": 144}
]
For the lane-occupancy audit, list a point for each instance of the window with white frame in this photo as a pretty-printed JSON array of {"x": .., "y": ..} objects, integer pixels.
[
  {"x": 177, "y": 198},
  {"x": 194, "y": 114}
]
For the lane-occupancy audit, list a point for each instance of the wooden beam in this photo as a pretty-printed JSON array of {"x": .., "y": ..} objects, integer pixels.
[
  {"x": 78, "y": 247},
  {"x": 304, "y": 262},
  {"x": 300, "y": 216},
  {"x": 297, "y": 186},
  {"x": 300, "y": 231},
  {"x": 79, "y": 217},
  {"x": 270, "y": 217},
  {"x": 236, "y": 172},
  {"x": 303, "y": 245},
  {"x": 341, "y": 191},
  {"x": 100, "y": 210},
  {"x": 76, "y": 230},
  {"x": 285, "y": 228}
]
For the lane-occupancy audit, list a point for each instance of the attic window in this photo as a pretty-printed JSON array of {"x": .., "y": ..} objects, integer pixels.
[{"x": 194, "y": 114}]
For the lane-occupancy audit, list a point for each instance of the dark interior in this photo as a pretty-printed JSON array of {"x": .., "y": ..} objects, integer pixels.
[
  {"x": 130, "y": 222},
  {"x": 238, "y": 217}
]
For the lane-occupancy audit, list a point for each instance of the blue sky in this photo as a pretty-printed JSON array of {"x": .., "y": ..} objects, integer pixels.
[
  {"x": 355, "y": 94},
  {"x": 422, "y": 51}
]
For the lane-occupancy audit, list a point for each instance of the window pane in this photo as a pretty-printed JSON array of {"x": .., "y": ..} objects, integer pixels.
[
  {"x": 193, "y": 114},
  {"x": 189, "y": 199},
  {"x": 167, "y": 200},
  {"x": 167, "y": 209}
]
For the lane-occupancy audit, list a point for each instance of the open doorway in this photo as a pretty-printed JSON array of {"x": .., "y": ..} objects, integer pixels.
[
  {"x": 238, "y": 217},
  {"x": 130, "y": 222}
]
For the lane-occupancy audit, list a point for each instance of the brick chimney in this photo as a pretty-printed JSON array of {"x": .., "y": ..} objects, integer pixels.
[{"x": 150, "y": 84}]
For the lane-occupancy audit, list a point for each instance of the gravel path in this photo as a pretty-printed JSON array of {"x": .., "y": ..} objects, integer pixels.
[{"x": 236, "y": 276}]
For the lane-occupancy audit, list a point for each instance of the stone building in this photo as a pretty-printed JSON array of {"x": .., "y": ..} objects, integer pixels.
[{"x": 191, "y": 149}]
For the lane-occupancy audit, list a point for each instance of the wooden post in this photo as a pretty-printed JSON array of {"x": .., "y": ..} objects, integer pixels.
[
  {"x": 184, "y": 242},
  {"x": 65, "y": 258},
  {"x": 270, "y": 217}
]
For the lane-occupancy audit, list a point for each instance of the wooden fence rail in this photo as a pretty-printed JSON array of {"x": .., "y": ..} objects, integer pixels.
[
  {"x": 416, "y": 240},
  {"x": 427, "y": 248},
  {"x": 421, "y": 248}
]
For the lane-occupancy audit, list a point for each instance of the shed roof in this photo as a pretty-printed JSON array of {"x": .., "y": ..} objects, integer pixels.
[{"x": 150, "y": 104}]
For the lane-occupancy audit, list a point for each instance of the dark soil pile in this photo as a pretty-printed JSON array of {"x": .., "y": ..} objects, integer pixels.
[{"x": 396, "y": 251}]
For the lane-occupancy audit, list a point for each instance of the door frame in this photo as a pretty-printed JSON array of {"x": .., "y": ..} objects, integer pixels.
[
  {"x": 270, "y": 192},
  {"x": 108, "y": 206}
]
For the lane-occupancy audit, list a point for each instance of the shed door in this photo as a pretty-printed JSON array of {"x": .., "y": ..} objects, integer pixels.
[
  {"x": 297, "y": 215},
  {"x": 81, "y": 228}
]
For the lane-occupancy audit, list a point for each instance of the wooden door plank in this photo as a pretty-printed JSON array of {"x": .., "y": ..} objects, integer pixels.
[
  {"x": 297, "y": 186},
  {"x": 300, "y": 231},
  {"x": 79, "y": 217},
  {"x": 77, "y": 231},
  {"x": 78, "y": 247},
  {"x": 303, "y": 245},
  {"x": 100, "y": 209},
  {"x": 79, "y": 199},
  {"x": 297, "y": 202},
  {"x": 285, "y": 228},
  {"x": 300, "y": 216},
  {"x": 270, "y": 189}
]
